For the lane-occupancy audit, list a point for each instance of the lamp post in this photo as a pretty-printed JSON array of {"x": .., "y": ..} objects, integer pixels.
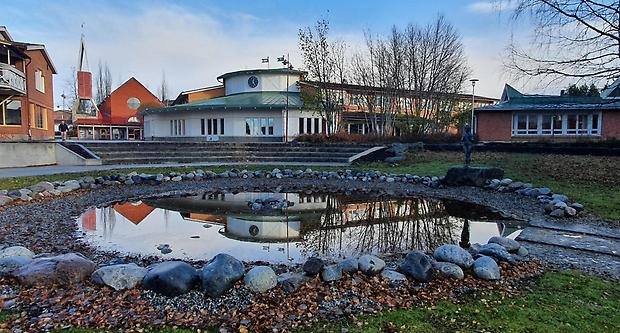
[
  {"x": 287, "y": 65},
  {"x": 473, "y": 96}
]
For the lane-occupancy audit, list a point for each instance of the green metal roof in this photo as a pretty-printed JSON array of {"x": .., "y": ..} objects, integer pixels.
[
  {"x": 265, "y": 100},
  {"x": 262, "y": 71}
]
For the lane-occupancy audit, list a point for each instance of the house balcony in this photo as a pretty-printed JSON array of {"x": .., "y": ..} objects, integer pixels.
[{"x": 12, "y": 81}]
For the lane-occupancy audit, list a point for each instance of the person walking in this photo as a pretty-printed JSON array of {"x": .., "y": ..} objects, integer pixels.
[{"x": 63, "y": 128}]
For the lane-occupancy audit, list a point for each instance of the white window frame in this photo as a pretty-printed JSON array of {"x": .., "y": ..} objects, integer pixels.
[
  {"x": 39, "y": 80},
  {"x": 583, "y": 124}
]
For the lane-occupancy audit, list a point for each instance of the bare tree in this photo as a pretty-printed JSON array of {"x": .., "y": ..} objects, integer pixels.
[
  {"x": 414, "y": 73},
  {"x": 573, "y": 38},
  {"x": 325, "y": 61},
  {"x": 163, "y": 90},
  {"x": 103, "y": 82}
]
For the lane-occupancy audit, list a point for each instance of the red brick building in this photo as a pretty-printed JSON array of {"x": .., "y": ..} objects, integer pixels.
[
  {"x": 26, "y": 90},
  {"x": 118, "y": 117},
  {"x": 521, "y": 117}
]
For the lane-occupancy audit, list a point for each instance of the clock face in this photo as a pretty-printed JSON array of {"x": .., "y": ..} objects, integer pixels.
[{"x": 252, "y": 81}]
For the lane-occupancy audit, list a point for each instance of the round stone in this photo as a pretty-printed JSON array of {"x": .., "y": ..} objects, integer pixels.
[
  {"x": 454, "y": 254},
  {"x": 260, "y": 279}
]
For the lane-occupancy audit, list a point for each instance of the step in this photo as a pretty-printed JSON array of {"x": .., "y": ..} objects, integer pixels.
[{"x": 571, "y": 240}]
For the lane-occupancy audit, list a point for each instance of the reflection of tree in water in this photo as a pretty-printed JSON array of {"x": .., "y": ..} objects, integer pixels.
[
  {"x": 381, "y": 226},
  {"x": 108, "y": 218}
]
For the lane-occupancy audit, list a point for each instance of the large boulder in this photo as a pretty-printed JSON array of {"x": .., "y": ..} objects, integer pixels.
[
  {"x": 313, "y": 266},
  {"x": 394, "y": 276},
  {"x": 10, "y": 264},
  {"x": 468, "y": 176},
  {"x": 350, "y": 265},
  {"x": 260, "y": 279},
  {"x": 486, "y": 268},
  {"x": 119, "y": 277},
  {"x": 509, "y": 244},
  {"x": 65, "y": 269},
  {"x": 331, "y": 273},
  {"x": 497, "y": 251},
  {"x": 220, "y": 274},
  {"x": 292, "y": 281},
  {"x": 454, "y": 254},
  {"x": 417, "y": 265},
  {"x": 16, "y": 251},
  {"x": 170, "y": 278},
  {"x": 370, "y": 265},
  {"x": 449, "y": 269},
  {"x": 42, "y": 187}
]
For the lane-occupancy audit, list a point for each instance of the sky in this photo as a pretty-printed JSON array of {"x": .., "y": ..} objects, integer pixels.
[{"x": 194, "y": 41}]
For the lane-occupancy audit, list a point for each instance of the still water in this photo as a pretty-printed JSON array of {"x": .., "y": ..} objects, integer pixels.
[{"x": 286, "y": 227}]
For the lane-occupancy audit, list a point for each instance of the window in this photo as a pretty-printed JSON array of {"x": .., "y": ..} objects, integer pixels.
[
  {"x": 546, "y": 123},
  {"x": 571, "y": 124},
  {"x": 177, "y": 127},
  {"x": 317, "y": 129},
  {"x": 525, "y": 124},
  {"x": 39, "y": 81},
  {"x": 308, "y": 125},
  {"x": 212, "y": 126},
  {"x": 595, "y": 124},
  {"x": 259, "y": 126},
  {"x": 11, "y": 112},
  {"x": 301, "y": 125},
  {"x": 38, "y": 116},
  {"x": 557, "y": 124}
]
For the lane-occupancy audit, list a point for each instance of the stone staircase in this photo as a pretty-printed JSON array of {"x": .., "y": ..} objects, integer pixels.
[{"x": 147, "y": 152}]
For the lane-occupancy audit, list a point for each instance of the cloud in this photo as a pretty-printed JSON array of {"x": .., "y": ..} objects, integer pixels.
[
  {"x": 192, "y": 47},
  {"x": 483, "y": 7}
]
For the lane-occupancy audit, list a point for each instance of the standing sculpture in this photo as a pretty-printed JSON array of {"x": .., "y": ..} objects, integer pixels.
[{"x": 468, "y": 144}]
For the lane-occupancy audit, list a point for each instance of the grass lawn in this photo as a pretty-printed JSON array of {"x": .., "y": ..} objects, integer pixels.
[{"x": 561, "y": 302}]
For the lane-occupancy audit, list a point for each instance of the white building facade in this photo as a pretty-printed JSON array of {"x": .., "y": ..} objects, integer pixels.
[{"x": 262, "y": 105}]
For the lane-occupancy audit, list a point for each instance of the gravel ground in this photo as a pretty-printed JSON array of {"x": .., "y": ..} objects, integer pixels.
[{"x": 49, "y": 226}]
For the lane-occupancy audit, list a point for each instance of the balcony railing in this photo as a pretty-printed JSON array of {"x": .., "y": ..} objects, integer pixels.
[{"x": 12, "y": 81}]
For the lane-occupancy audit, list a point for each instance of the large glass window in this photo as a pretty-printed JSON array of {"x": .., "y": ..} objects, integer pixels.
[
  {"x": 11, "y": 112},
  {"x": 317, "y": 129},
  {"x": 301, "y": 125},
  {"x": 222, "y": 126},
  {"x": 547, "y": 121},
  {"x": 202, "y": 127},
  {"x": 595, "y": 123},
  {"x": 571, "y": 124},
  {"x": 259, "y": 126},
  {"x": 308, "y": 125},
  {"x": 177, "y": 127},
  {"x": 39, "y": 80},
  {"x": 557, "y": 124}
]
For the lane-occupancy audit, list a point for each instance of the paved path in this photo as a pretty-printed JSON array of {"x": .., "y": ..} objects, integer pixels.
[
  {"x": 57, "y": 169},
  {"x": 594, "y": 249}
]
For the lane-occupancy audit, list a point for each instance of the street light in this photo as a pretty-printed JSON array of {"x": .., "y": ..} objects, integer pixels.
[
  {"x": 473, "y": 96},
  {"x": 287, "y": 65}
]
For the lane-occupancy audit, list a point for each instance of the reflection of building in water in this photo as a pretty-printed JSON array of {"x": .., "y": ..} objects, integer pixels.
[{"x": 327, "y": 225}]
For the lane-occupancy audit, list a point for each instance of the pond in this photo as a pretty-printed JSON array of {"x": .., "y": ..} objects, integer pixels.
[{"x": 286, "y": 227}]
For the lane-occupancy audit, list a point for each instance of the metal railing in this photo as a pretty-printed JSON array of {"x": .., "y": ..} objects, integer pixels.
[{"x": 12, "y": 79}]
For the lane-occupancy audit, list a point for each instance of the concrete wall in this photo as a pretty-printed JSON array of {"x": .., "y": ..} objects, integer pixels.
[
  {"x": 266, "y": 82},
  {"x": 493, "y": 126},
  {"x": 21, "y": 154},
  {"x": 158, "y": 125}
]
